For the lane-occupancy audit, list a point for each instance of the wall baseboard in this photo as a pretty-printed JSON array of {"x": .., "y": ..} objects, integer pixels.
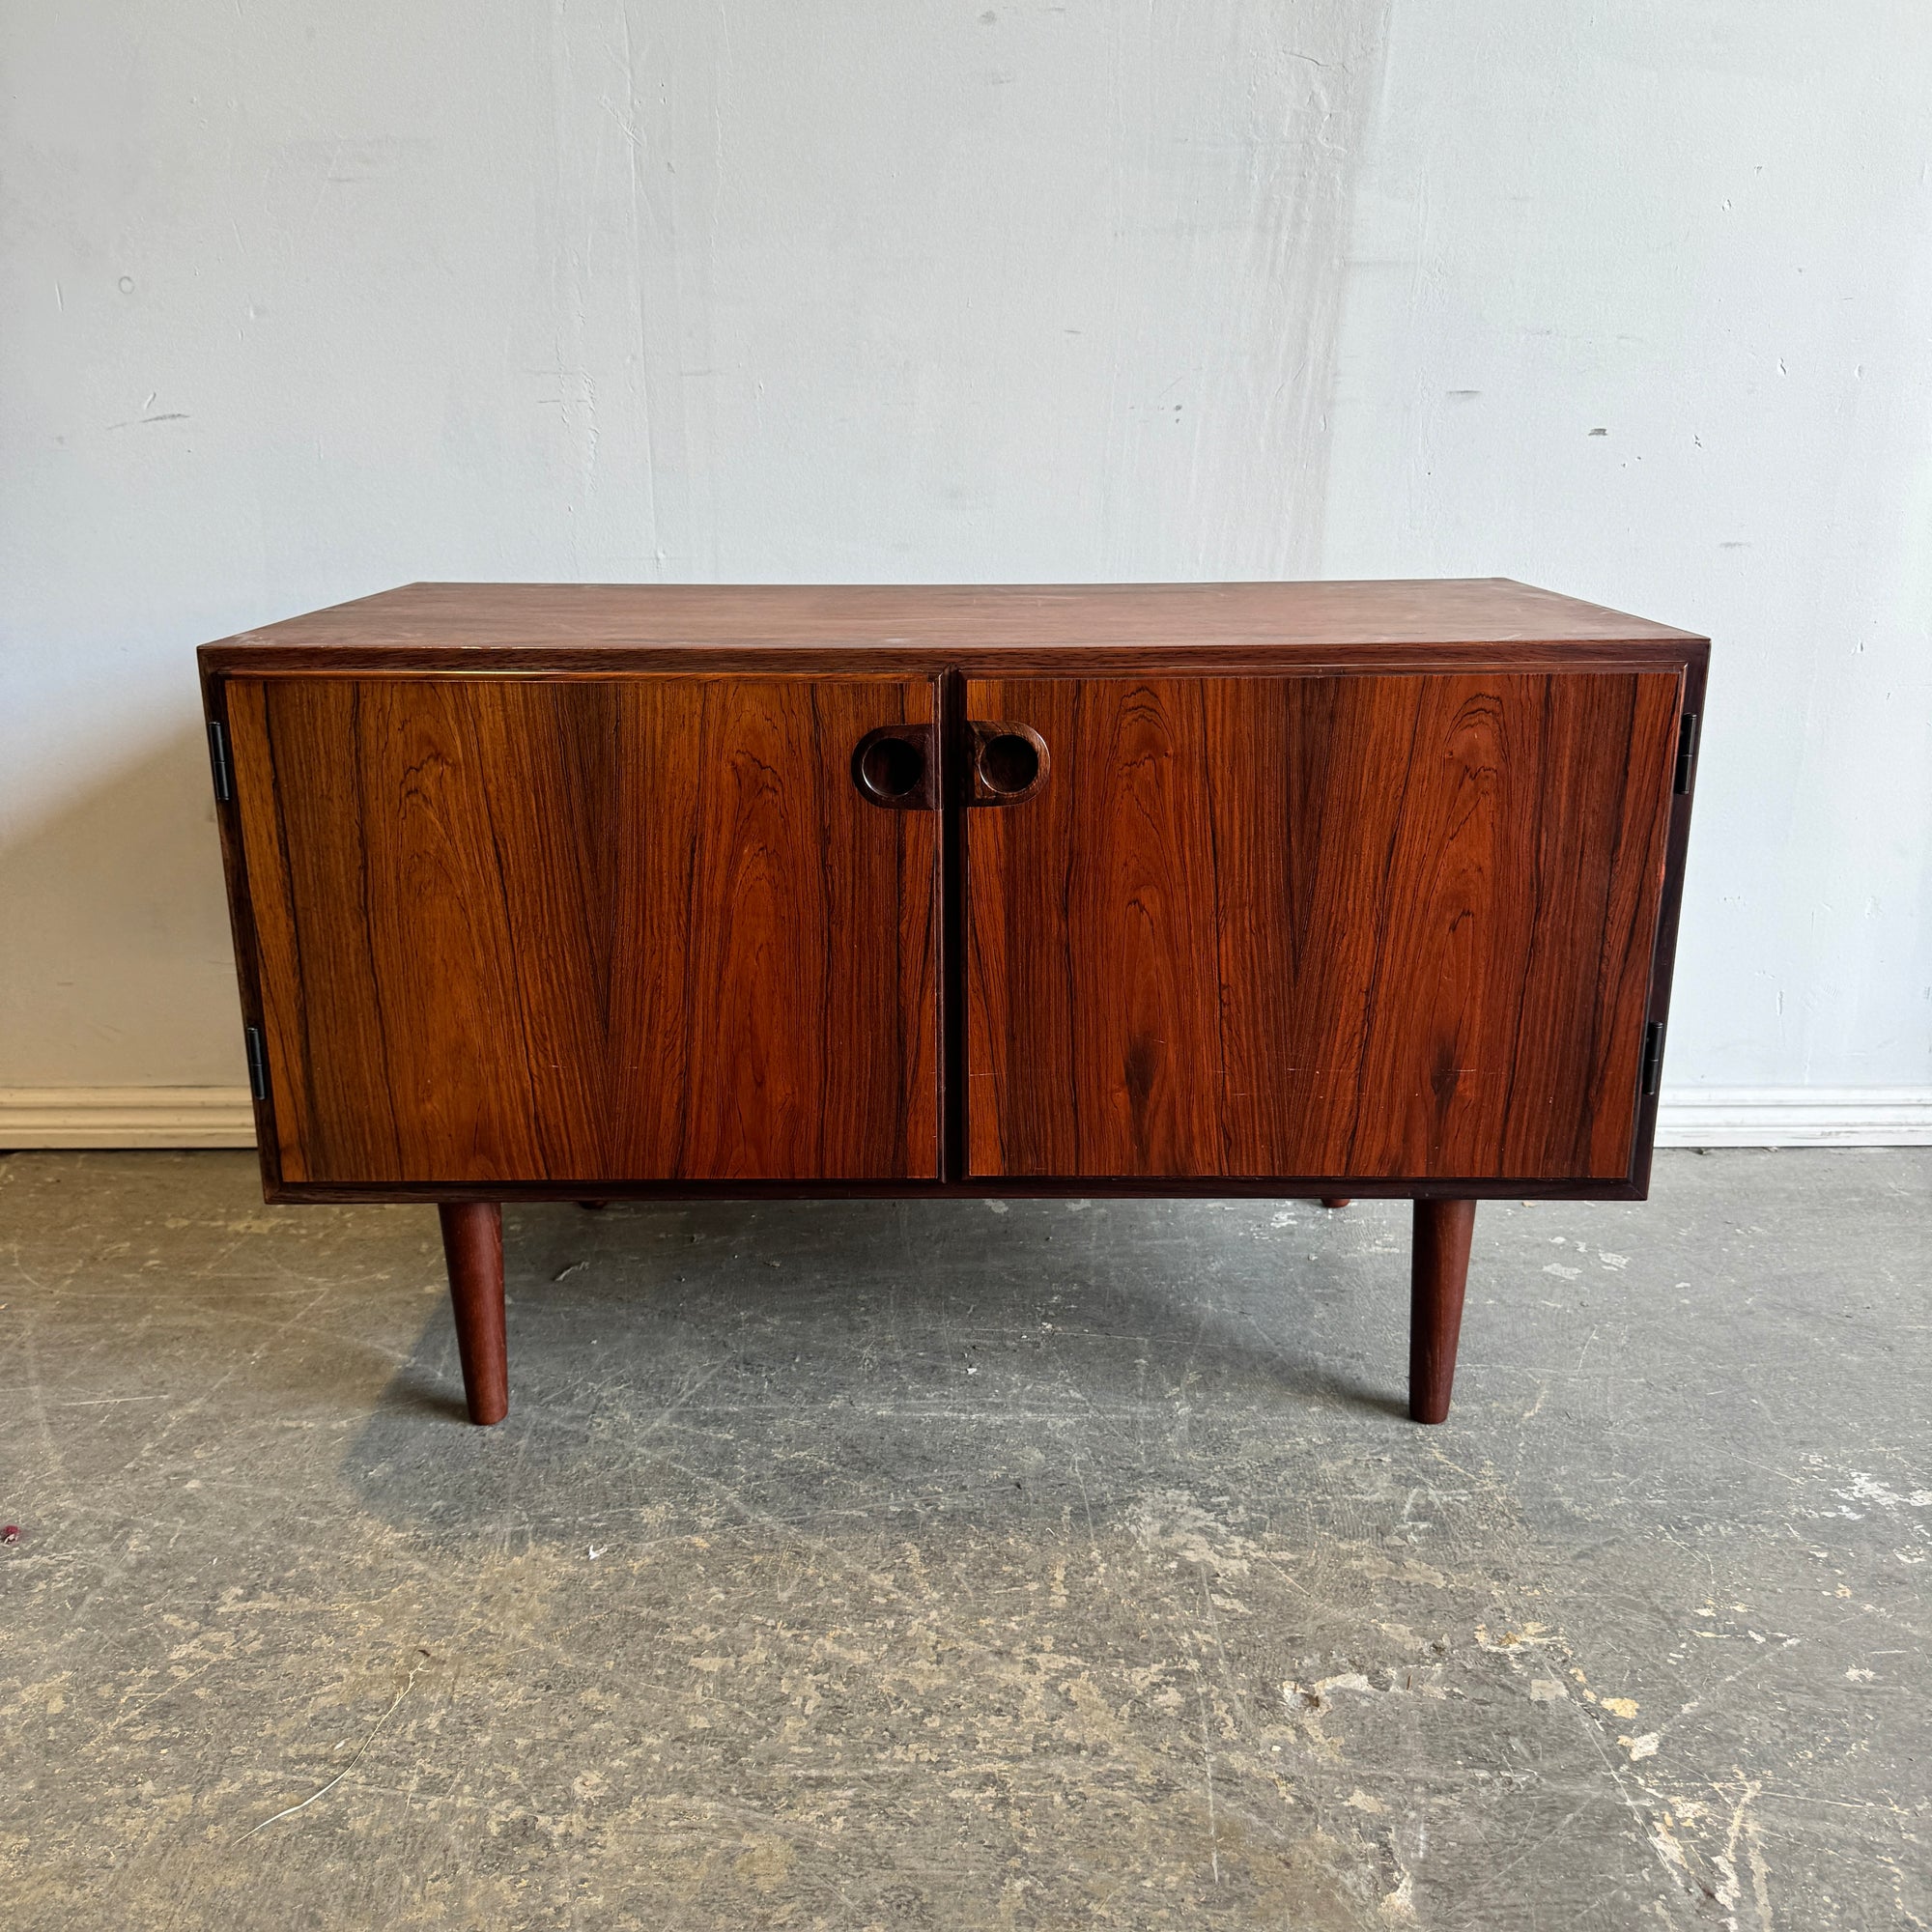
[
  {"x": 1795, "y": 1117},
  {"x": 222, "y": 1117},
  {"x": 125, "y": 1117}
]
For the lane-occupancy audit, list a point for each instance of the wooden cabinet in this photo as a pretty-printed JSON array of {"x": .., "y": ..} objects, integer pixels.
[{"x": 581, "y": 892}]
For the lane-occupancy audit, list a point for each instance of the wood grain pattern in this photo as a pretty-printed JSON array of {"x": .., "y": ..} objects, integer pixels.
[
  {"x": 624, "y": 929},
  {"x": 472, "y": 1252},
  {"x": 897, "y": 630},
  {"x": 1368, "y": 926},
  {"x": 1438, "y": 1275}
]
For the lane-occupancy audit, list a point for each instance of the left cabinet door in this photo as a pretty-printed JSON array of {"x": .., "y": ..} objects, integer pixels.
[{"x": 592, "y": 929}]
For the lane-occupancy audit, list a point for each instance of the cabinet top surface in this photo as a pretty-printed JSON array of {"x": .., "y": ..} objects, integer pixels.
[{"x": 424, "y": 626}]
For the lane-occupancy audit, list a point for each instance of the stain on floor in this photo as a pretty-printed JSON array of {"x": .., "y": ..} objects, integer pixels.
[{"x": 858, "y": 1565}]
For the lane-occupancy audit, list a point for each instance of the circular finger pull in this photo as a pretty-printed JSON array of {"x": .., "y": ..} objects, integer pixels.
[
  {"x": 891, "y": 768},
  {"x": 1009, "y": 763}
]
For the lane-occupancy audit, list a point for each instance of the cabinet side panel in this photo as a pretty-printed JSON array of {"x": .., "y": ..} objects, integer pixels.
[
  {"x": 265, "y": 865},
  {"x": 1416, "y": 911}
]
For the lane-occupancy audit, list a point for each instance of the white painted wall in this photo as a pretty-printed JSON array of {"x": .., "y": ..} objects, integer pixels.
[
  {"x": 296, "y": 303},
  {"x": 1640, "y": 306}
]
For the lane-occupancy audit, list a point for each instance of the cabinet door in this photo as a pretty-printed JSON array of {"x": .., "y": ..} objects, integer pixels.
[
  {"x": 1391, "y": 927},
  {"x": 624, "y": 929}
]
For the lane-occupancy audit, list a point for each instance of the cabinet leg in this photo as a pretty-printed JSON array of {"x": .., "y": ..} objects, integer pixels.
[
  {"x": 1336, "y": 1200},
  {"x": 1438, "y": 1272},
  {"x": 473, "y": 1246}
]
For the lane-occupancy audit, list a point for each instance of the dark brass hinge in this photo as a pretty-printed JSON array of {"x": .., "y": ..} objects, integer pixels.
[
  {"x": 1653, "y": 1058},
  {"x": 217, "y": 756},
  {"x": 1686, "y": 753},
  {"x": 258, "y": 1063}
]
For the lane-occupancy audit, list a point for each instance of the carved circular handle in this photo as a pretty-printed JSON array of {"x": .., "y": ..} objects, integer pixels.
[
  {"x": 1009, "y": 763},
  {"x": 890, "y": 767}
]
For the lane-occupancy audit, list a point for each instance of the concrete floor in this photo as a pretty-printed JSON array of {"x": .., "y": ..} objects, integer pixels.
[{"x": 965, "y": 1565}]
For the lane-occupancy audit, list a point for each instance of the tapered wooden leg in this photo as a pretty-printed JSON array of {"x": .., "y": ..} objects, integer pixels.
[
  {"x": 473, "y": 1246},
  {"x": 1438, "y": 1272},
  {"x": 1336, "y": 1200}
]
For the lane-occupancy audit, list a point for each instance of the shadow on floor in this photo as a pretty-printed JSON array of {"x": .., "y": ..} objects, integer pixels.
[{"x": 926, "y": 1359}]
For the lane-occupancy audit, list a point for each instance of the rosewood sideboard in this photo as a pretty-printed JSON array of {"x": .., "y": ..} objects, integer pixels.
[{"x": 584, "y": 892}]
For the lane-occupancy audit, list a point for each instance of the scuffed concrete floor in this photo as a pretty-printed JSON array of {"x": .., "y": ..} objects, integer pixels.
[{"x": 962, "y": 1565}]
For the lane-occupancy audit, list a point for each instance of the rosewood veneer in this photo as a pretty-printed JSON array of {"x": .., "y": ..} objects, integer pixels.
[{"x": 600, "y": 892}]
